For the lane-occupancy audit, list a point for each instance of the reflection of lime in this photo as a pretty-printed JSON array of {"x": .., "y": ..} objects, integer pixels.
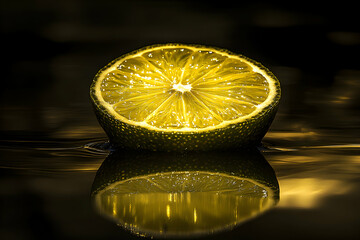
[
  {"x": 184, "y": 97},
  {"x": 177, "y": 197}
]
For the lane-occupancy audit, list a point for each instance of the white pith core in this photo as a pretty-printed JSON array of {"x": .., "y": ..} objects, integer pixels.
[{"x": 182, "y": 88}]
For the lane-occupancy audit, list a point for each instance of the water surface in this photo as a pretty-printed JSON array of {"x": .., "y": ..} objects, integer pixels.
[{"x": 46, "y": 185}]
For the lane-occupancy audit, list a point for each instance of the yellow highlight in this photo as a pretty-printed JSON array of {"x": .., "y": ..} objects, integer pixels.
[
  {"x": 168, "y": 211},
  {"x": 309, "y": 192},
  {"x": 114, "y": 204},
  {"x": 195, "y": 215}
]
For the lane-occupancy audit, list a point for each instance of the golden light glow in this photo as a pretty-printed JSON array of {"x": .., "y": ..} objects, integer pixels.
[
  {"x": 309, "y": 192},
  {"x": 291, "y": 135},
  {"x": 195, "y": 215},
  {"x": 168, "y": 211},
  {"x": 114, "y": 205}
]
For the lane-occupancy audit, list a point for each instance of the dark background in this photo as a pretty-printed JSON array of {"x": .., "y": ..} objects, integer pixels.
[{"x": 51, "y": 50}]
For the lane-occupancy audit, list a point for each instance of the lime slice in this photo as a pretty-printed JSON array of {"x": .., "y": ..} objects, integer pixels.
[{"x": 176, "y": 91}]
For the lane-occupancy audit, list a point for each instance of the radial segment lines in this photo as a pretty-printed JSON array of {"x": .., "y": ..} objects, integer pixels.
[{"x": 174, "y": 88}]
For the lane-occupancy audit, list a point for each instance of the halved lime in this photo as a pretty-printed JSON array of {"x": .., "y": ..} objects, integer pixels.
[{"x": 185, "y": 97}]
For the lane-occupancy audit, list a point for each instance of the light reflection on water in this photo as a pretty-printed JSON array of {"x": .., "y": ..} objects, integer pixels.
[
  {"x": 51, "y": 156},
  {"x": 164, "y": 194},
  {"x": 310, "y": 173},
  {"x": 310, "y": 192}
]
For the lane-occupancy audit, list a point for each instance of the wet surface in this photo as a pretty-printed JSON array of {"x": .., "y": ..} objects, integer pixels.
[{"x": 51, "y": 145}]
